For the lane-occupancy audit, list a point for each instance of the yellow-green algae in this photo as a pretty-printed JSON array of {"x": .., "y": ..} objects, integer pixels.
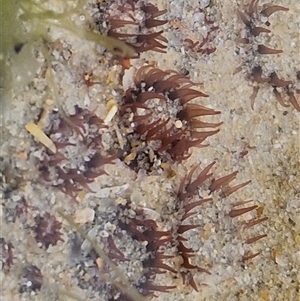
[{"x": 25, "y": 26}]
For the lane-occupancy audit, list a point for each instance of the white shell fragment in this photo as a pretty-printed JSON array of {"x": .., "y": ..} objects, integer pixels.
[
  {"x": 40, "y": 136},
  {"x": 128, "y": 77},
  {"x": 112, "y": 110}
]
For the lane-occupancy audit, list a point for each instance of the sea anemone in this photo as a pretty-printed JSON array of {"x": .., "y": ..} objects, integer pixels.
[
  {"x": 47, "y": 230},
  {"x": 159, "y": 121},
  {"x": 204, "y": 41},
  {"x": 79, "y": 158},
  {"x": 254, "y": 49},
  {"x": 134, "y": 23},
  {"x": 290, "y": 88},
  {"x": 187, "y": 202},
  {"x": 159, "y": 243}
]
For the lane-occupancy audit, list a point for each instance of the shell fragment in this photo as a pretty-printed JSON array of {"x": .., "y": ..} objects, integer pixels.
[
  {"x": 40, "y": 136},
  {"x": 112, "y": 110}
]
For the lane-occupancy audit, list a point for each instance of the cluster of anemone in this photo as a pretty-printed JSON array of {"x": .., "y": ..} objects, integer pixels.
[
  {"x": 252, "y": 31},
  {"x": 134, "y": 22},
  {"x": 188, "y": 199},
  {"x": 47, "y": 230},
  {"x": 286, "y": 86},
  {"x": 255, "y": 49},
  {"x": 204, "y": 42},
  {"x": 163, "y": 245},
  {"x": 159, "y": 120},
  {"x": 20, "y": 210},
  {"x": 79, "y": 158}
]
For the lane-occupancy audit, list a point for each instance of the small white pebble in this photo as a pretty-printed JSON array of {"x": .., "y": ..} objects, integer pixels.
[
  {"x": 127, "y": 80},
  {"x": 277, "y": 145},
  {"x": 28, "y": 283},
  {"x": 204, "y": 3},
  {"x": 110, "y": 227},
  {"x": 264, "y": 19},
  {"x": 140, "y": 15},
  {"x": 178, "y": 124},
  {"x": 141, "y": 111},
  {"x": 281, "y": 261},
  {"x": 84, "y": 215},
  {"x": 199, "y": 17}
]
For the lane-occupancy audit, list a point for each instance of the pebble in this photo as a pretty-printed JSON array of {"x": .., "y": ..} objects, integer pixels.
[
  {"x": 84, "y": 215},
  {"x": 204, "y": 3}
]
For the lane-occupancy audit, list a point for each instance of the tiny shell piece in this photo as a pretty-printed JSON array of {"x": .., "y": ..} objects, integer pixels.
[
  {"x": 40, "y": 136},
  {"x": 99, "y": 262},
  {"x": 112, "y": 110}
]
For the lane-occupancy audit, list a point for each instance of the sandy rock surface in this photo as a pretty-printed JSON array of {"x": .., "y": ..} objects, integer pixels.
[{"x": 42, "y": 256}]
